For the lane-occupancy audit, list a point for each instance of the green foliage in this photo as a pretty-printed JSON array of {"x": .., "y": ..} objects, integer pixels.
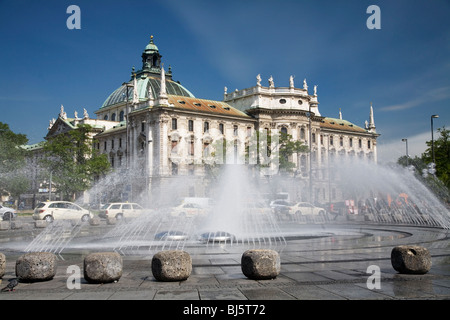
[
  {"x": 12, "y": 161},
  {"x": 73, "y": 161},
  {"x": 441, "y": 155}
]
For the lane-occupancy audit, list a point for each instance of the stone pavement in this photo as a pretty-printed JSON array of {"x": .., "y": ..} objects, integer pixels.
[{"x": 331, "y": 265}]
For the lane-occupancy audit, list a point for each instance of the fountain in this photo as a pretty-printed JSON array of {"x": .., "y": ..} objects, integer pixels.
[{"x": 240, "y": 219}]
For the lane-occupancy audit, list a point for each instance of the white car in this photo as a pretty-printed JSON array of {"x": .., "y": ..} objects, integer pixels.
[
  {"x": 306, "y": 208},
  {"x": 58, "y": 210},
  {"x": 120, "y": 210},
  {"x": 188, "y": 210},
  {"x": 7, "y": 213}
]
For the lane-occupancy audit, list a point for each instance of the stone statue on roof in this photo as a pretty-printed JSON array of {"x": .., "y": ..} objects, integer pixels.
[
  {"x": 305, "y": 86},
  {"x": 291, "y": 82},
  {"x": 258, "y": 80},
  {"x": 271, "y": 84},
  {"x": 85, "y": 114}
]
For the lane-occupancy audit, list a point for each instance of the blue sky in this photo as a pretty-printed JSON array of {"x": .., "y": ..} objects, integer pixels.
[{"x": 402, "y": 68}]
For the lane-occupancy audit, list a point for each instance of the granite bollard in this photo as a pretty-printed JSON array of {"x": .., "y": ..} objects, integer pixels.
[
  {"x": 411, "y": 259},
  {"x": 36, "y": 266},
  {"x": 171, "y": 265},
  {"x": 260, "y": 264},
  {"x": 2, "y": 265},
  {"x": 103, "y": 267}
]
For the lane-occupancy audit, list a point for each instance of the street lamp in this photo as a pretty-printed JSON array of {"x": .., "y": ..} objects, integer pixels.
[
  {"x": 434, "y": 116},
  {"x": 407, "y": 156}
]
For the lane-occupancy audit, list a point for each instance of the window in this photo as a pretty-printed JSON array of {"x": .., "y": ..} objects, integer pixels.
[
  {"x": 368, "y": 144},
  {"x": 284, "y": 130},
  {"x": 360, "y": 143},
  {"x": 112, "y": 144},
  {"x": 174, "y": 124},
  {"x": 331, "y": 140},
  {"x": 142, "y": 126},
  {"x": 302, "y": 133},
  {"x": 313, "y": 138},
  {"x": 105, "y": 117},
  {"x": 351, "y": 142},
  {"x": 105, "y": 145},
  {"x": 321, "y": 139},
  {"x": 205, "y": 126},
  {"x": 282, "y": 101},
  {"x": 174, "y": 168},
  {"x": 221, "y": 128},
  {"x": 191, "y": 147},
  {"x": 113, "y": 117},
  {"x": 341, "y": 141},
  {"x": 120, "y": 142},
  {"x": 121, "y": 116},
  {"x": 249, "y": 131},
  {"x": 235, "y": 130},
  {"x": 191, "y": 125}
]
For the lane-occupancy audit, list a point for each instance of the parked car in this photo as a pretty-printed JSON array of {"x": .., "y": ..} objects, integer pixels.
[
  {"x": 120, "y": 210},
  {"x": 52, "y": 210},
  {"x": 188, "y": 210},
  {"x": 217, "y": 236},
  {"x": 171, "y": 235},
  {"x": 7, "y": 213},
  {"x": 280, "y": 206},
  {"x": 306, "y": 208}
]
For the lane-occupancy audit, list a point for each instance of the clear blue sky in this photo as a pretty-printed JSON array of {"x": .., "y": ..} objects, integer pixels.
[{"x": 403, "y": 68}]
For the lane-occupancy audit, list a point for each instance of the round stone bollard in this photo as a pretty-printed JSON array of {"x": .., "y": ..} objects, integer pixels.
[
  {"x": 94, "y": 221},
  {"x": 171, "y": 265},
  {"x": 260, "y": 264},
  {"x": 411, "y": 259},
  {"x": 36, "y": 266},
  {"x": 2, "y": 265},
  {"x": 103, "y": 267}
]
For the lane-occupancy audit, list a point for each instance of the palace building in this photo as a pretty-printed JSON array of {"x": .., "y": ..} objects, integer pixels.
[{"x": 154, "y": 127}]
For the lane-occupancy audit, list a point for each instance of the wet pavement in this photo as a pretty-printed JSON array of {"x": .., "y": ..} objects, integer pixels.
[{"x": 334, "y": 263}]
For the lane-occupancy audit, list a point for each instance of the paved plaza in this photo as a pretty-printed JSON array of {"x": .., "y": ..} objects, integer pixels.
[{"x": 327, "y": 261}]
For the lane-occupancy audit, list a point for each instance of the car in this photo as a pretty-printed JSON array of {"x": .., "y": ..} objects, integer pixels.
[
  {"x": 306, "y": 208},
  {"x": 188, "y": 210},
  {"x": 60, "y": 210},
  {"x": 171, "y": 235},
  {"x": 120, "y": 210},
  {"x": 217, "y": 236},
  {"x": 280, "y": 206},
  {"x": 7, "y": 213}
]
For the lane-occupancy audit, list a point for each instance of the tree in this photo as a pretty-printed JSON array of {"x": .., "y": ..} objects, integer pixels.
[
  {"x": 441, "y": 155},
  {"x": 13, "y": 179},
  {"x": 73, "y": 161}
]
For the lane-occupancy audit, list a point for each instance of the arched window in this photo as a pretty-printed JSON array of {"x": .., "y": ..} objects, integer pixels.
[
  {"x": 302, "y": 133},
  {"x": 121, "y": 115},
  {"x": 283, "y": 130},
  {"x": 113, "y": 117},
  {"x": 105, "y": 117}
]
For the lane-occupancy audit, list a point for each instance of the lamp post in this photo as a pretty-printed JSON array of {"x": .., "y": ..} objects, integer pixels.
[
  {"x": 407, "y": 156},
  {"x": 434, "y": 116}
]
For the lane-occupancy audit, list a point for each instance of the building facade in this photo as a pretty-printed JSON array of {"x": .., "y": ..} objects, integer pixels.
[{"x": 153, "y": 129}]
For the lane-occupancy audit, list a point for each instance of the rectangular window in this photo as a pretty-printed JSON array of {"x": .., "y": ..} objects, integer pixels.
[
  {"x": 174, "y": 124},
  {"x": 351, "y": 142},
  {"x": 191, "y": 125},
  {"x": 331, "y": 140},
  {"x": 235, "y": 130},
  {"x": 368, "y": 144},
  {"x": 205, "y": 126},
  {"x": 112, "y": 144},
  {"x": 120, "y": 142},
  {"x": 249, "y": 131},
  {"x": 142, "y": 126},
  {"x": 341, "y": 141},
  {"x": 360, "y": 143},
  {"x": 221, "y": 128}
]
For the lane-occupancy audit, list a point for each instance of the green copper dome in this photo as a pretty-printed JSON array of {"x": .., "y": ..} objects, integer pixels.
[
  {"x": 143, "y": 84},
  {"x": 151, "y": 47}
]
